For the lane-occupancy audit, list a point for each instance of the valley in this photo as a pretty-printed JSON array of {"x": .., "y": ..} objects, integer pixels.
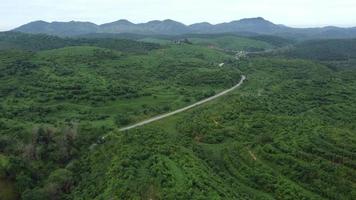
[{"x": 149, "y": 116}]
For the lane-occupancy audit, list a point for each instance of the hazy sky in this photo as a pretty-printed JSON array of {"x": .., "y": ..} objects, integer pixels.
[{"x": 299, "y": 13}]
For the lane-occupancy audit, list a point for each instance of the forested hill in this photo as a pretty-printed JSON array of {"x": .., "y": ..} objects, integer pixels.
[
  {"x": 38, "y": 42},
  {"x": 325, "y": 50},
  {"x": 288, "y": 133},
  {"x": 257, "y": 25},
  {"x": 140, "y": 43},
  {"x": 58, "y": 96}
]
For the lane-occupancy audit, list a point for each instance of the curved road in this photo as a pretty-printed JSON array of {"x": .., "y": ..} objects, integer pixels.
[{"x": 185, "y": 108}]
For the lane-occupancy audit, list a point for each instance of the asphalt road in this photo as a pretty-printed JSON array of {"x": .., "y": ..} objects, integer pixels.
[{"x": 185, "y": 108}]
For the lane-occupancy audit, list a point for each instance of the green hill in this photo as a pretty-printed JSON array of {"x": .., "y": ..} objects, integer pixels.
[
  {"x": 232, "y": 43},
  {"x": 56, "y": 103},
  {"x": 83, "y": 77},
  {"x": 246, "y": 26},
  {"x": 325, "y": 50},
  {"x": 286, "y": 134},
  {"x": 39, "y": 42}
]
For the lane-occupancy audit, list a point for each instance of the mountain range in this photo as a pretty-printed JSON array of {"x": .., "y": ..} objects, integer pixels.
[{"x": 257, "y": 25}]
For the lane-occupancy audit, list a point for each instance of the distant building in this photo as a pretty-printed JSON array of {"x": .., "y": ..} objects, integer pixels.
[{"x": 240, "y": 54}]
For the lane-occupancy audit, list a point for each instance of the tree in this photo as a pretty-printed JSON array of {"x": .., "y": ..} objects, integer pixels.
[{"x": 122, "y": 120}]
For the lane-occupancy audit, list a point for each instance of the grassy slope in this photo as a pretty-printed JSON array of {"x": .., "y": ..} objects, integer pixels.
[{"x": 286, "y": 134}]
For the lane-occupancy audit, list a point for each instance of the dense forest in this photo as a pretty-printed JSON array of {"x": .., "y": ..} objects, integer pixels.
[
  {"x": 287, "y": 133},
  {"x": 58, "y": 98},
  {"x": 325, "y": 50},
  {"x": 30, "y": 42}
]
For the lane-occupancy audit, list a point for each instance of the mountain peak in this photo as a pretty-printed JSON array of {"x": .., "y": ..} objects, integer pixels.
[
  {"x": 168, "y": 20},
  {"x": 167, "y": 26},
  {"x": 257, "y": 25},
  {"x": 123, "y": 22},
  {"x": 254, "y": 20},
  {"x": 199, "y": 27},
  {"x": 58, "y": 28},
  {"x": 171, "y": 21},
  {"x": 40, "y": 22},
  {"x": 259, "y": 18}
]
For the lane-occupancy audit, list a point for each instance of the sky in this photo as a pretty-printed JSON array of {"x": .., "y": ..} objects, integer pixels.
[{"x": 295, "y": 13}]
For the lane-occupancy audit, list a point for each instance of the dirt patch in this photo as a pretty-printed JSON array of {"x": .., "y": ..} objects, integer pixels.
[{"x": 252, "y": 155}]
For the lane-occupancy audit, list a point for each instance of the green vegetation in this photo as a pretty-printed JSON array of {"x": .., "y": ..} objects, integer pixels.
[
  {"x": 274, "y": 40},
  {"x": 230, "y": 42},
  {"x": 326, "y": 50},
  {"x": 234, "y": 43},
  {"x": 92, "y": 84},
  {"x": 14, "y": 40},
  {"x": 156, "y": 40},
  {"x": 7, "y": 188},
  {"x": 56, "y": 103},
  {"x": 287, "y": 133}
]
